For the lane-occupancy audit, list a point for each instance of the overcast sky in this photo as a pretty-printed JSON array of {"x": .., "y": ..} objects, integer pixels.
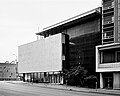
[{"x": 20, "y": 19}]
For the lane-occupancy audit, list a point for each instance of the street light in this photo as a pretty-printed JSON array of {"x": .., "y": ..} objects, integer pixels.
[
  {"x": 15, "y": 58},
  {"x": 16, "y": 67}
]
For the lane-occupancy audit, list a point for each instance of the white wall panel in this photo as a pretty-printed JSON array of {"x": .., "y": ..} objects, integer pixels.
[{"x": 41, "y": 55}]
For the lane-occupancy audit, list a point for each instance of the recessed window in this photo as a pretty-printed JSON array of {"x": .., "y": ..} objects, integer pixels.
[
  {"x": 118, "y": 56},
  {"x": 108, "y": 57},
  {"x": 63, "y": 49}
]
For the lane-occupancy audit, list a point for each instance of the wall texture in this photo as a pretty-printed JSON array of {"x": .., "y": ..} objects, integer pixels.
[{"x": 42, "y": 55}]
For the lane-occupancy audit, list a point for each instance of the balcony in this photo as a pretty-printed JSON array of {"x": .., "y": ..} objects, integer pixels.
[
  {"x": 108, "y": 13},
  {"x": 108, "y": 28},
  {"x": 108, "y": 57},
  {"x": 108, "y": 40}
]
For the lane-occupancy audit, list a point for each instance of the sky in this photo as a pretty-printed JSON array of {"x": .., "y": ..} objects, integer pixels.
[{"x": 21, "y": 19}]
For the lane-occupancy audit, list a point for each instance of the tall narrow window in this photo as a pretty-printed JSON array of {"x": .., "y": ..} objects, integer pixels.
[
  {"x": 63, "y": 49},
  {"x": 118, "y": 56}
]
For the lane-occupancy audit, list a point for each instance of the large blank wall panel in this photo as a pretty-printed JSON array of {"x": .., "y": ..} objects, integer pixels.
[{"x": 41, "y": 56}]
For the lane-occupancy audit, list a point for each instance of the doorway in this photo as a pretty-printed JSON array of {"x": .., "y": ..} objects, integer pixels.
[{"x": 108, "y": 80}]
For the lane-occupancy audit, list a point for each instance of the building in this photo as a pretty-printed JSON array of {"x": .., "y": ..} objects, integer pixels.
[
  {"x": 108, "y": 54},
  {"x": 8, "y": 71},
  {"x": 42, "y": 60},
  {"x": 84, "y": 33},
  {"x": 61, "y": 46}
]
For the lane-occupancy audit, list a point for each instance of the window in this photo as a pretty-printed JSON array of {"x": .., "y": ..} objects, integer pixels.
[
  {"x": 64, "y": 64},
  {"x": 63, "y": 49},
  {"x": 118, "y": 56},
  {"x": 108, "y": 57}
]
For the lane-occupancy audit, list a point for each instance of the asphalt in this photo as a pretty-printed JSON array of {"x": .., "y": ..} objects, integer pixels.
[{"x": 112, "y": 92}]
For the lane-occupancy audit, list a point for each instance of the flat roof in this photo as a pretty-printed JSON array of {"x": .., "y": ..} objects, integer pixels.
[{"x": 96, "y": 10}]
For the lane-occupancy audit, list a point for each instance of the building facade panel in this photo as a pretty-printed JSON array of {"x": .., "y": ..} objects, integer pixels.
[
  {"x": 82, "y": 41},
  {"x": 44, "y": 60},
  {"x": 42, "y": 55},
  {"x": 84, "y": 28}
]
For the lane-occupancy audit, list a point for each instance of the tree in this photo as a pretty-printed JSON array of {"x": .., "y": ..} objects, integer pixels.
[
  {"x": 76, "y": 76},
  {"x": 91, "y": 81}
]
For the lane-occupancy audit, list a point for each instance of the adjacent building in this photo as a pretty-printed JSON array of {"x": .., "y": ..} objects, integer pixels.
[
  {"x": 61, "y": 46},
  {"x": 108, "y": 54},
  {"x": 42, "y": 60},
  {"x": 8, "y": 71}
]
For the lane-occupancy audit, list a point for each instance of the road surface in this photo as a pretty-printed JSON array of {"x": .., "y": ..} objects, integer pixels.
[{"x": 9, "y": 89}]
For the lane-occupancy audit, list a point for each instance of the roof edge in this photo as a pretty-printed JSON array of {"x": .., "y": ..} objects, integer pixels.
[{"x": 98, "y": 10}]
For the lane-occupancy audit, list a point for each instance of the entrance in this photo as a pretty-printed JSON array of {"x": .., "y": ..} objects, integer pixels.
[{"x": 108, "y": 80}]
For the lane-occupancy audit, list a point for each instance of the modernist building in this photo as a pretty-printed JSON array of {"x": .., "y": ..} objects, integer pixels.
[
  {"x": 108, "y": 54},
  {"x": 61, "y": 46},
  {"x": 42, "y": 60},
  {"x": 8, "y": 71}
]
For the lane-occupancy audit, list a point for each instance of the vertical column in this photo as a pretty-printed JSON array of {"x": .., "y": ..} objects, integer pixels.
[
  {"x": 116, "y": 80},
  {"x": 97, "y": 58},
  {"x": 39, "y": 77},
  {"x": 118, "y": 20},
  {"x": 61, "y": 78},
  {"x": 25, "y": 76},
  {"x": 30, "y": 77},
  {"x": 101, "y": 80},
  {"x": 53, "y": 78}
]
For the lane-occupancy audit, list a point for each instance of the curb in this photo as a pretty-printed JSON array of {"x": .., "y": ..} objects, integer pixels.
[{"x": 68, "y": 89}]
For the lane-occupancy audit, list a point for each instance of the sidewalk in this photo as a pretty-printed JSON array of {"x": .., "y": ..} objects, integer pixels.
[{"x": 71, "y": 88}]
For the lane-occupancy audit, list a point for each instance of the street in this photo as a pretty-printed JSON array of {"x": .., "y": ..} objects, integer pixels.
[{"x": 9, "y": 89}]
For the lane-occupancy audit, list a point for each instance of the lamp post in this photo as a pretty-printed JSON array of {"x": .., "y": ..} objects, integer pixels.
[
  {"x": 15, "y": 58},
  {"x": 16, "y": 66}
]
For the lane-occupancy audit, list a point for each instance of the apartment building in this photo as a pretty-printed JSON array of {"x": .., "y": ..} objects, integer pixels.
[
  {"x": 108, "y": 54},
  {"x": 8, "y": 71}
]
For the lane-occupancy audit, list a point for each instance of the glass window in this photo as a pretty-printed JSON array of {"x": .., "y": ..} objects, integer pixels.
[
  {"x": 63, "y": 49},
  {"x": 118, "y": 56},
  {"x": 108, "y": 57}
]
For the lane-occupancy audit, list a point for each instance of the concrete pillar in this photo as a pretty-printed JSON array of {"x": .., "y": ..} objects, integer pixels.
[
  {"x": 61, "y": 79},
  {"x": 25, "y": 76},
  {"x": 101, "y": 80},
  {"x": 28, "y": 77},
  {"x": 116, "y": 80}
]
